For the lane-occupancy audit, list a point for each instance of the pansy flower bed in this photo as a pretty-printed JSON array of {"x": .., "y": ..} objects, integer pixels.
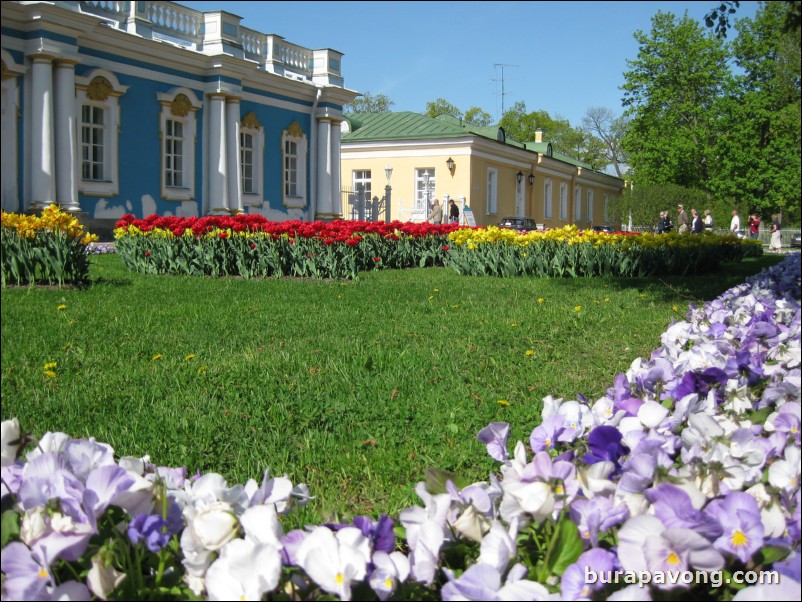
[{"x": 683, "y": 480}]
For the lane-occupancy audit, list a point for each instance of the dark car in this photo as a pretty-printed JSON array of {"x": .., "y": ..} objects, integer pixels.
[
  {"x": 605, "y": 228},
  {"x": 522, "y": 224},
  {"x": 796, "y": 239}
]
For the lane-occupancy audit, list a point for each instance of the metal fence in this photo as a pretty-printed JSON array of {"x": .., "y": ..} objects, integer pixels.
[{"x": 357, "y": 205}]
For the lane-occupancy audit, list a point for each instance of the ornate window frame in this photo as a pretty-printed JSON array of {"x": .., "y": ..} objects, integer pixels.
[
  {"x": 99, "y": 90},
  {"x": 179, "y": 106},
  {"x": 250, "y": 126},
  {"x": 294, "y": 151}
]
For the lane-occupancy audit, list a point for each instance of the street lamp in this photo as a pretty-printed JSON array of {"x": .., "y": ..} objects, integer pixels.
[
  {"x": 531, "y": 179},
  {"x": 388, "y": 171},
  {"x": 519, "y": 176}
]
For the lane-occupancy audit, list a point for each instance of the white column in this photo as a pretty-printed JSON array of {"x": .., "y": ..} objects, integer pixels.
[
  {"x": 336, "y": 189},
  {"x": 42, "y": 164},
  {"x": 324, "y": 205},
  {"x": 234, "y": 167},
  {"x": 218, "y": 191},
  {"x": 65, "y": 136}
]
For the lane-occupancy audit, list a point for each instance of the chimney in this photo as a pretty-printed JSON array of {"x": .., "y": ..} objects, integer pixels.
[{"x": 538, "y": 135}]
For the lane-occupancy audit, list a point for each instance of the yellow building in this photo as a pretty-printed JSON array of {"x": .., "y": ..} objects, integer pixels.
[{"x": 444, "y": 158}]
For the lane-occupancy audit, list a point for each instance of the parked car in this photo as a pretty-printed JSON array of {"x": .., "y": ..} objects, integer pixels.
[
  {"x": 522, "y": 224},
  {"x": 604, "y": 228},
  {"x": 796, "y": 239}
]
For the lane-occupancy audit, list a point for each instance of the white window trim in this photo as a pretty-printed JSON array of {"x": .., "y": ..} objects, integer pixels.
[
  {"x": 88, "y": 92},
  {"x": 492, "y": 191},
  {"x": 185, "y": 113},
  {"x": 295, "y": 134},
  {"x": 250, "y": 125},
  {"x": 520, "y": 205},
  {"x": 577, "y": 203},
  {"x": 547, "y": 199},
  {"x": 605, "y": 208},
  {"x": 590, "y": 205},
  {"x": 563, "y": 201}
]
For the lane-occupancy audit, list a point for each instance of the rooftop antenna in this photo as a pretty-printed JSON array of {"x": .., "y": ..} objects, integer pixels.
[{"x": 503, "y": 94}]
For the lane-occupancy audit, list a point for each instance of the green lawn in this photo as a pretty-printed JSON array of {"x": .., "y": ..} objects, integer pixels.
[{"x": 355, "y": 388}]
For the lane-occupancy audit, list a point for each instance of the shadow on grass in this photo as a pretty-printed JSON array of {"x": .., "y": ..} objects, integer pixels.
[{"x": 700, "y": 287}]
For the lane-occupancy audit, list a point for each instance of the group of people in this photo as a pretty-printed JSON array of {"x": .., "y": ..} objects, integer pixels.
[
  {"x": 436, "y": 214},
  {"x": 695, "y": 224},
  {"x": 753, "y": 223}
]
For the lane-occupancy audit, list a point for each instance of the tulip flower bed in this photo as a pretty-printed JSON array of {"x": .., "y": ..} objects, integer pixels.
[
  {"x": 682, "y": 480},
  {"x": 49, "y": 249},
  {"x": 572, "y": 252},
  {"x": 251, "y": 246}
]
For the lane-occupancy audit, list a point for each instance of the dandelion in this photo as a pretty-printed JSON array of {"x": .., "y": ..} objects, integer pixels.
[
  {"x": 578, "y": 308},
  {"x": 607, "y": 299},
  {"x": 540, "y": 300},
  {"x": 158, "y": 356},
  {"x": 675, "y": 308},
  {"x": 189, "y": 356},
  {"x": 503, "y": 402},
  {"x": 49, "y": 369},
  {"x": 202, "y": 369},
  {"x": 530, "y": 352},
  {"x": 514, "y": 325},
  {"x": 61, "y": 307},
  {"x": 431, "y": 297},
  {"x": 455, "y": 307},
  {"x": 437, "y": 290}
]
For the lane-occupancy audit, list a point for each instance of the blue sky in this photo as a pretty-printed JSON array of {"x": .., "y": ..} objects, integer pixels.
[{"x": 567, "y": 56}]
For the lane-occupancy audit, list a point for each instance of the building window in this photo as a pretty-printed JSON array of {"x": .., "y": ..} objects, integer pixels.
[
  {"x": 97, "y": 103},
  {"x": 178, "y": 125},
  {"x": 10, "y": 111},
  {"x": 492, "y": 191},
  {"x": 590, "y": 205},
  {"x": 360, "y": 178},
  {"x": 294, "y": 148},
  {"x": 577, "y": 203},
  {"x": 547, "y": 200},
  {"x": 424, "y": 193},
  {"x": 563, "y": 201},
  {"x": 251, "y": 143}
]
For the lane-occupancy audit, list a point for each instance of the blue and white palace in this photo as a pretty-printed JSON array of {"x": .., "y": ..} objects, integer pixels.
[{"x": 111, "y": 108}]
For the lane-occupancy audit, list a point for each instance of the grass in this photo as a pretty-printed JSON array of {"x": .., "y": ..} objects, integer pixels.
[{"x": 355, "y": 388}]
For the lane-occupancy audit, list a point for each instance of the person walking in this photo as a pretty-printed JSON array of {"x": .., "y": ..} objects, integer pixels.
[
  {"x": 453, "y": 212},
  {"x": 754, "y": 226},
  {"x": 697, "y": 225},
  {"x": 776, "y": 243},
  {"x": 683, "y": 223},
  {"x": 661, "y": 223},
  {"x": 708, "y": 220},
  {"x": 735, "y": 224},
  {"x": 436, "y": 216}
]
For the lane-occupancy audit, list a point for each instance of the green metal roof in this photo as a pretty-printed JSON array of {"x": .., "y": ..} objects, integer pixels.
[
  {"x": 414, "y": 126},
  {"x": 398, "y": 126}
]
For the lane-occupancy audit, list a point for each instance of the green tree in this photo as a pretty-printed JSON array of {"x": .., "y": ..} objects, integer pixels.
[
  {"x": 368, "y": 103},
  {"x": 609, "y": 129},
  {"x": 478, "y": 117},
  {"x": 442, "y": 107},
  {"x": 758, "y": 152},
  {"x": 670, "y": 92},
  {"x": 521, "y": 125}
]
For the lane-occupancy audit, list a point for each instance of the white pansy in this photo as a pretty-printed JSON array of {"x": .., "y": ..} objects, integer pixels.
[
  {"x": 333, "y": 562},
  {"x": 103, "y": 578},
  {"x": 245, "y": 570},
  {"x": 215, "y": 525},
  {"x": 390, "y": 570},
  {"x": 9, "y": 441}
]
